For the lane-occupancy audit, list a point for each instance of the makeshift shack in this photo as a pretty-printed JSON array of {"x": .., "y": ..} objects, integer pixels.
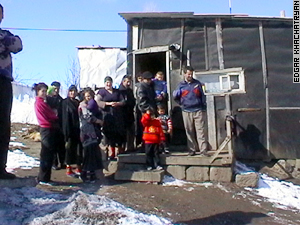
[{"x": 246, "y": 65}]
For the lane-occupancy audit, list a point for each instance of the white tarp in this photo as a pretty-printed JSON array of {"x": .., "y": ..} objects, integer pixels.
[{"x": 97, "y": 63}]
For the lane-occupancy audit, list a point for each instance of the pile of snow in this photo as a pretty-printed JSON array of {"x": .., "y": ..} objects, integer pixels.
[
  {"x": 33, "y": 206},
  {"x": 283, "y": 194}
]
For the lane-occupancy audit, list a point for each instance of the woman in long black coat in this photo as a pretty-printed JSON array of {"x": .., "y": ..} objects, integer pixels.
[{"x": 71, "y": 130}]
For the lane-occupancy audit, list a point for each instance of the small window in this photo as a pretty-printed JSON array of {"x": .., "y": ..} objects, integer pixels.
[{"x": 222, "y": 81}]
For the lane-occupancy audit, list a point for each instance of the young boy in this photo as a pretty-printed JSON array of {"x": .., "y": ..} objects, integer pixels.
[
  {"x": 167, "y": 128},
  {"x": 153, "y": 136},
  {"x": 160, "y": 88}
]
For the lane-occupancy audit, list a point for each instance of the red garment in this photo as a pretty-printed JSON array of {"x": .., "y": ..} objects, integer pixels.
[
  {"x": 153, "y": 133},
  {"x": 45, "y": 115}
]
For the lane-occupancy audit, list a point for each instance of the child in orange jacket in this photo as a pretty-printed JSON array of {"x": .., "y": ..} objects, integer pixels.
[{"x": 153, "y": 136}]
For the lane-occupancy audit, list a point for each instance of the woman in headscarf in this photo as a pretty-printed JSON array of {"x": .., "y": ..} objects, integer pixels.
[
  {"x": 71, "y": 130},
  {"x": 111, "y": 102}
]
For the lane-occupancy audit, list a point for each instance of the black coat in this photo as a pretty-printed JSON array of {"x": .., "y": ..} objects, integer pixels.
[
  {"x": 70, "y": 119},
  {"x": 128, "y": 108},
  {"x": 146, "y": 97}
]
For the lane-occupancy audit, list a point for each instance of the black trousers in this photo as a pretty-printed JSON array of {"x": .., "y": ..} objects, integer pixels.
[
  {"x": 60, "y": 154},
  {"x": 6, "y": 96},
  {"x": 49, "y": 144},
  {"x": 152, "y": 155}
]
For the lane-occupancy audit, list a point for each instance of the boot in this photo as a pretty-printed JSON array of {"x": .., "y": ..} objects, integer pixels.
[
  {"x": 83, "y": 176},
  {"x": 78, "y": 170},
  {"x": 6, "y": 176},
  {"x": 69, "y": 171}
]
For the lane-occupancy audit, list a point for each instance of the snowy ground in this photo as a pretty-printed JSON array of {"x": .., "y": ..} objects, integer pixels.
[
  {"x": 34, "y": 206},
  {"x": 30, "y": 205}
]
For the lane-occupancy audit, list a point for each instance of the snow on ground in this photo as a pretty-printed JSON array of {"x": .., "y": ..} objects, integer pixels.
[
  {"x": 282, "y": 194},
  {"x": 18, "y": 159},
  {"x": 34, "y": 206}
]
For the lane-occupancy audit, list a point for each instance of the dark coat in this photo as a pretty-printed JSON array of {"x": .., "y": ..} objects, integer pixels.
[
  {"x": 128, "y": 108},
  {"x": 146, "y": 97},
  {"x": 70, "y": 118},
  {"x": 55, "y": 102},
  {"x": 113, "y": 127}
]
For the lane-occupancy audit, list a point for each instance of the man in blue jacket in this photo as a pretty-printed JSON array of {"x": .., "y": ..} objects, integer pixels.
[{"x": 189, "y": 95}]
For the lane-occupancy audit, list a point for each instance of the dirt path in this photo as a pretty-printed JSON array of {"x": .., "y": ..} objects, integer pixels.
[{"x": 190, "y": 204}]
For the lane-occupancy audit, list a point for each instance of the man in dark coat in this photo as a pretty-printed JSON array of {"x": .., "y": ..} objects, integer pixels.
[
  {"x": 128, "y": 109},
  {"x": 146, "y": 93}
]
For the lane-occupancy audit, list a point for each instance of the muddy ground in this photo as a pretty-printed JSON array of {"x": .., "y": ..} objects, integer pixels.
[{"x": 224, "y": 203}]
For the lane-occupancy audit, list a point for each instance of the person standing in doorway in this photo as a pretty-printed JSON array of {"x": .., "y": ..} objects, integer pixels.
[
  {"x": 189, "y": 95},
  {"x": 9, "y": 43},
  {"x": 146, "y": 94}
]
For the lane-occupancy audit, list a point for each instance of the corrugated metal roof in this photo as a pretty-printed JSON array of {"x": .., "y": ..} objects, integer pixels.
[{"x": 138, "y": 15}]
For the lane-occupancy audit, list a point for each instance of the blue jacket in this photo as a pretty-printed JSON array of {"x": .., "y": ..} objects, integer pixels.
[{"x": 190, "y": 96}]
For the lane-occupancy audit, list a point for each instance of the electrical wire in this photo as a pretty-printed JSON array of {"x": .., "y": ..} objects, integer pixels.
[{"x": 65, "y": 30}]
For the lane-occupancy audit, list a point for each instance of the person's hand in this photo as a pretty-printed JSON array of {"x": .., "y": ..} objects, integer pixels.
[
  {"x": 159, "y": 97},
  {"x": 114, "y": 104},
  {"x": 108, "y": 103},
  {"x": 148, "y": 112},
  {"x": 99, "y": 122}
]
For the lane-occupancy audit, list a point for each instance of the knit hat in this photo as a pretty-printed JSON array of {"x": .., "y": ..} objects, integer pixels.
[
  {"x": 50, "y": 90},
  {"x": 73, "y": 88},
  {"x": 56, "y": 84},
  {"x": 108, "y": 78},
  {"x": 147, "y": 75}
]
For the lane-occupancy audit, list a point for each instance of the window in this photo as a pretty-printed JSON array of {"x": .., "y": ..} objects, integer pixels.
[{"x": 219, "y": 82}]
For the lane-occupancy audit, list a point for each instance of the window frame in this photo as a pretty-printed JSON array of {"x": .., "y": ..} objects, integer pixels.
[{"x": 225, "y": 73}]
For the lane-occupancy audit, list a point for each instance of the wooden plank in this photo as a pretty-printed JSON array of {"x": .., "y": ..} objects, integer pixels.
[
  {"x": 222, "y": 146},
  {"x": 211, "y": 121}
]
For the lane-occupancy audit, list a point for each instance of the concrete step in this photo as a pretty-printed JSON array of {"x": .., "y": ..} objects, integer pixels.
[
  {"x": 177, "y": 158},
  {"x": 142, "y": 175}
]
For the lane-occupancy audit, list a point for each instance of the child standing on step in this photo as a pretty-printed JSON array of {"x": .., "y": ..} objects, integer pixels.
[
  {"x": 166, "y": 125},
  {"x": 153, "y": 136}
]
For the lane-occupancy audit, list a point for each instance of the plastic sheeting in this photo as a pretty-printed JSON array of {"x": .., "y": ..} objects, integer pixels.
[{"x": 98, "y": 63}]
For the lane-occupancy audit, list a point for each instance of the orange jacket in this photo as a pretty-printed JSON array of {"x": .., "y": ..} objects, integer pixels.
[{"x": 153, "y": 133}]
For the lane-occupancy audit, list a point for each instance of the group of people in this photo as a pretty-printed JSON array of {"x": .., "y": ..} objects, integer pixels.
[
  {"x": 152, "y": 99},
  {"x": 73, "y": 128}
]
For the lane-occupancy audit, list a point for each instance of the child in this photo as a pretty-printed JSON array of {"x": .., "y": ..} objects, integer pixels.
[
  {"x": 49, "y": 129},
  {"x": 92, "y": 159},
  {"x": 153, "y": 136},
  {"x": 166, "y": 124},
  {"x": 92, "y": 106},
  {"x": 160, "y": 88}
]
